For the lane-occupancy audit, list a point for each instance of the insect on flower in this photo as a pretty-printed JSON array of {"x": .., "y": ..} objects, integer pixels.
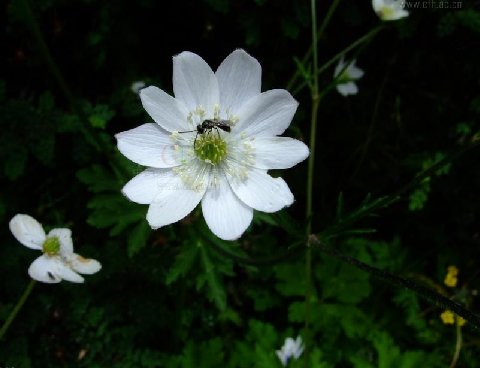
[
  {"x": 213, "y": 143},
  {"x": 208, "y": 125}
]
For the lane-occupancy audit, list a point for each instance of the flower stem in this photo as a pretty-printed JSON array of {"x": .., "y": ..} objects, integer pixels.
[
  {"x": 17, "y": 308},
  {"x": 311, "y": 161},
  {"x": 319, "y": 34},
  {"x": 458, "y": 345}
]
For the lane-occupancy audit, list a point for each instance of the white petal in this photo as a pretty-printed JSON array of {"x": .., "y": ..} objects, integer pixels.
[
  {"x": 262, "y": 192},
  {"x": 377, "y": 5},
  {"x": 64, "y": 237},
  {"x": 44, "y": 269},
  {"x": 86, "y": 266},
  {"x": 172, "y": 203},
  {"x": 239, "y": 79},
  {"x": 354, "y": 72},
  {"x": 346, "y": 89},
  {"x": 266, "y": 115},
  {"x": 194, "y": 82},
  {"x": 278, "y": 152},
  {"x": 27, "y": 231},
  {"x": 51, "y": 271},
  {"x": 283, "y": 358},
  {"x": 166, "y": 111},
  {"x": 144, "y": 187},
  {"x": 339, "y": 67},
  {"x": 225, "y": 214},
  {"x": 149, "y": 145},
  {"x": 352, "y": 88}
]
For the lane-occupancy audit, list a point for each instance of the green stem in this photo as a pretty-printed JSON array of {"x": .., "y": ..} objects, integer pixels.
[
  {"x": 422, "y": 291},
  {"x": 370, "y": 127},
  {"x": 348, "y": 221},
  {"x": 458, "y": 345},
  {"x": 319, "y": 35},
  {"x": 17, "y": 308},
  {"x": 311, "y": 160},
  {"x": 339, "y": 55}
]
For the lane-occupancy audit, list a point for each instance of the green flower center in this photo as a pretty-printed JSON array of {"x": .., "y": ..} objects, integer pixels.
[
  {"x": 210, "y": 147},
  {"x": 51, "y": 246},
  {"x": 386, "y": 12}
]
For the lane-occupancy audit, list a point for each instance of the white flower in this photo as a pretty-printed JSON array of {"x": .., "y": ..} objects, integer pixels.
[
  {"x": 226, "y": 171},
  {"x": 58, "y": 261},
  {"x": 290, "y": 348},
  {"x": 389, "y": 9},
  {"x": 346, "y": 82},
  {"x": 136, "y": 87}
]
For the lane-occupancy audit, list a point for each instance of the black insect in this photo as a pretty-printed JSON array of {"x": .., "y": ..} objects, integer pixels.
[
  {"x": 52, "y": 277},
  {"x": 209, "y": 125}
]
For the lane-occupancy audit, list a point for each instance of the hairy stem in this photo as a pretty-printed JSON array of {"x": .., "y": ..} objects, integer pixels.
[{"x": 424, "y": 292}]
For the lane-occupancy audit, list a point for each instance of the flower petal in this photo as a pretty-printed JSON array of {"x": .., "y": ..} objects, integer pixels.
[
  {"x": 283, "y": 357},
  {"x": 144, "y": 187},
  {"x": 166, "y": 111},
  {"x": 225, "y": 214},
  {"x": 64, "y": 237},
  {"x": 262, "y": 192},
  {"x": 51, "y": 271},
  {"x": 149, "y": 145},
  {"x": 339, "y": 67},
  {"x": 27, "y": 231},
  {"x": 266, "y": 115},
  {"x": 346, "y": 89},
  {"x": 278, "y": 152},
  {"x": 239, "y": 79},
  {"x": 172, "y": 203},
  {"x": 87, "y": 266},
  {"x": 194, "y": 82},
  {"x": 355, "y": 72},
  {"x": 44, "y": 269}
]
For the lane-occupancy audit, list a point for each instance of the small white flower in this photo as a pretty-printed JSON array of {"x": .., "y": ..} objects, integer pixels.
[
  {"x": 346, "y": 82},
  {"x": 58, "y": 261},
  {"x": 291, "y": 348},
  {"x": 389, "y": 9},
  {"x": 136, "y": 87},
  {"x": 225, "y": 168}
]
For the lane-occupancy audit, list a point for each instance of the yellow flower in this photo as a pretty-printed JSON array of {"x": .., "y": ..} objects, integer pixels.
[
  {"x": 461, "y": 321},
  {"x": 453, "y": 270},
  {"x": 450, "y": 280},
  {"x": 451, "y": 277},
  {"x": 448, "y": 317}
]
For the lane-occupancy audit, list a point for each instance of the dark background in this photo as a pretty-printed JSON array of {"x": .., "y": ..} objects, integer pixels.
[{"x": 418, "y": 101}]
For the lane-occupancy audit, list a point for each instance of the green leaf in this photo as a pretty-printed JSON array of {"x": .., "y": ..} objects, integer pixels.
[
  {"x": 215, "y": 287},
  {"x": 183, "y": 262},
  {"x": 138, "y": 237},
  {"x": 46, "y": 102}
]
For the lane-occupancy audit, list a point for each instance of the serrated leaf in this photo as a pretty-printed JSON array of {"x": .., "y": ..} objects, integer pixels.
[
  {"x": 138, "y": 237},
  {"x": 183, "y": 262},
  {"x": 216, "y": 291}
]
